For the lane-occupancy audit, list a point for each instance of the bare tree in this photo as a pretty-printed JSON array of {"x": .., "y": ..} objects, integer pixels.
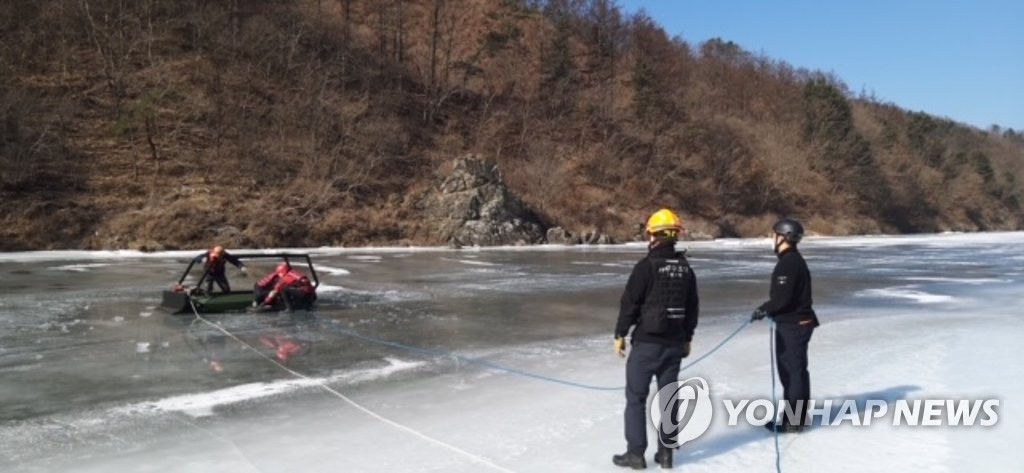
[{"x": 116, "y": 37}]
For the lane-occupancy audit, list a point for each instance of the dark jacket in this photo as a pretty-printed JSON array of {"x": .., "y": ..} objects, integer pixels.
[
  {"x": 642, "y": 293},
  {"x": 790, "y": 294},
  {"x": 218, "y": 265}
]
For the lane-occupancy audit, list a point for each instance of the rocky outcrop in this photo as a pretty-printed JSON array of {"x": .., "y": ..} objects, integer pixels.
[
  {"x": 593, "y": 237},
  {"x": 561, "y": 236},
  {"x": 472, "y": 206}
]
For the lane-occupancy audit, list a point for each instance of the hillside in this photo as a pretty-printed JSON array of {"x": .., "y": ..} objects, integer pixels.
[{"x": 167, "y": 124}]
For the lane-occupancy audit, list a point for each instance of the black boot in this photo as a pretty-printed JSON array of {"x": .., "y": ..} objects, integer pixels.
[
  {"x": 630, "y": 460},
  {"x": 784, "y": 428},
  {"x": 663, "y": 457}
]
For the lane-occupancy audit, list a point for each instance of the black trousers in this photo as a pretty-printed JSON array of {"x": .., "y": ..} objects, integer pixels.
[
  {"x": 220, "y": 278},
  {"x": 297, "y": 299},
  {"x": 646, "y": 360},
  {"x": 791, "y": 341}
]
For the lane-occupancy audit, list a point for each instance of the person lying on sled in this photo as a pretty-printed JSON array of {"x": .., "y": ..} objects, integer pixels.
[{"x": 285, "y": 287}]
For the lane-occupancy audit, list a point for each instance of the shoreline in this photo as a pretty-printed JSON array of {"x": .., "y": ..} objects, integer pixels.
[{"x": 854, "y": 240}]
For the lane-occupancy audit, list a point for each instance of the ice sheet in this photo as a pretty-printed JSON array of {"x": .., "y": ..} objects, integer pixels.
[{"x": 903, "y": 318}]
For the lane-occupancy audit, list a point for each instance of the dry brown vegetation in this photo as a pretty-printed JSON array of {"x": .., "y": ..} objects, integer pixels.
[{"x": 166, "y": 123}]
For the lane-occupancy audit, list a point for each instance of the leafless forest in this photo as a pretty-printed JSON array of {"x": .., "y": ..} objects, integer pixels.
[{"x": 175, "y": 123}]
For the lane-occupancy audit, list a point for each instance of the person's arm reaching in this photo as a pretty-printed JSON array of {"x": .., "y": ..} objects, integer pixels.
[{"x": 234, "y": 260}]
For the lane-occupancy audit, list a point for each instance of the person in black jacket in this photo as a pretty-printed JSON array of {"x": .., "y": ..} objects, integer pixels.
[
  {"x": 216, "y": 266},
  {"x": 790, "y": 306},
  {"x": 660, "y": 303}
]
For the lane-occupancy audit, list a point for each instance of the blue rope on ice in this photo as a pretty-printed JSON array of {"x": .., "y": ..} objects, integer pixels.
[
  {"x": 323, "y": 385},
  {"x": 775, "y": 401},
  {"x": 507, "y": 369},
  {"x": 473, "y": 361},
  {"x": 716, "y": 347}
]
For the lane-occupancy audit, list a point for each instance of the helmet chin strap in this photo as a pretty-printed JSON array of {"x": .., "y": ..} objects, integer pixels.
[
  {"x": 778, "y": 243},
  {"x": 652, "y": 242},
  {"x": 655, "y": 242}
]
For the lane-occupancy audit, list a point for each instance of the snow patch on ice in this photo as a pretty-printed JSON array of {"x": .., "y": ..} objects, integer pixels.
[
  {"x": 329, "y": 288},
  {"x": 933, "y": 240},
  {"x": 203, "y": 404},
  {"x": 973, "y": 281},
  {"x": 332, "y": 271},
  {"x": 393, "y": 295},
  {"x": 475, "y": 262},
  {"x": 621, "y": 264},
  {"x": 906, "y": 292},
  {"x": 79, "y": 268}
]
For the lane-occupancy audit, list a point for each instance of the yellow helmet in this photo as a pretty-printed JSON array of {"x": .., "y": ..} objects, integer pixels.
[{"x": 665, "y": 221}]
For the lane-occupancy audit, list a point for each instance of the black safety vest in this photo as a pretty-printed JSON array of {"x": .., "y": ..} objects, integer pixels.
[{"x": 665, "y": 305}]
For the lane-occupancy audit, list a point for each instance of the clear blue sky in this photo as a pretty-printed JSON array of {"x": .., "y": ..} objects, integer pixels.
[{"x": 961, "y": 59}]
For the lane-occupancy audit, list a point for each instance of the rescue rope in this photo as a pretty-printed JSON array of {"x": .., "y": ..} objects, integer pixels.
[
  {"x": 209, "y": 432},
  {"x": 716, "y": 347},
  {"x": 775, "y": 401},
  {"x": 516, "y": 371},
  {"x": 349, "y": 401},
  {"x": 472, "y": 361}
]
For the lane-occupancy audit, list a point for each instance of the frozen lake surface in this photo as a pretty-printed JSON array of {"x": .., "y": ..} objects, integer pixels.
[{"x": 94, "y": 378}]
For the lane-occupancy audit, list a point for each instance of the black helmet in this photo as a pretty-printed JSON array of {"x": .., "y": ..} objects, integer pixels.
[{"x": 790, "y": 229}]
